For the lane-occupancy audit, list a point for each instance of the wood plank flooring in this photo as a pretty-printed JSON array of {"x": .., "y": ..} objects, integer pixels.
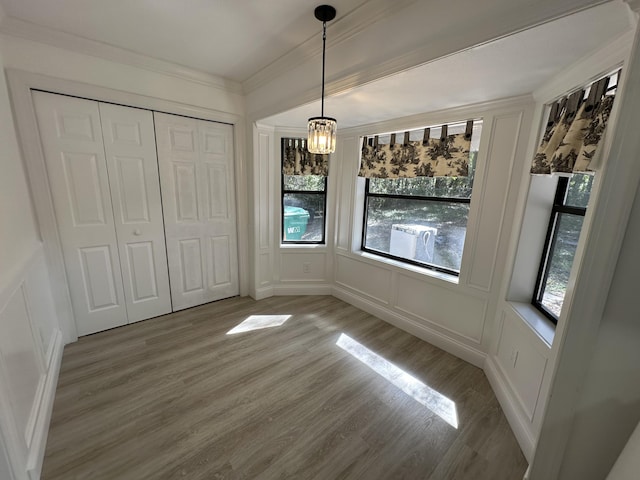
[{"x": 177, "y": 397}]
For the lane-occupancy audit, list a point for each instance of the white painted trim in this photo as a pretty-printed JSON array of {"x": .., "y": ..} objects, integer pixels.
[
  {"x": 15, "y": 279},
  {"x": 44, "y": 410},
  {"x": 30, "y": 31},
  {"x": 20, "y": 85},
  {"x": 513, "y": 411},
  {"x": 448, "y": 344},
  {"x": 353, "y": 291},
  {"x": 619, "y": 182},
  {"x": 301, "y": 289},
  {"x": 450, "y": 115},
  {"x": 513, "y": 391},
  {"x": 242, "y": 203},
  {"x": 476, "y": 205},
  {"x": 409, "y": 314},
  {"x": 360, "y": 18},
  {"x": 264, "y": 292},
  {"x": 11, "y": 437},
  {"x": 33, "y": 158},
  {"x": 446, "y": 45}
]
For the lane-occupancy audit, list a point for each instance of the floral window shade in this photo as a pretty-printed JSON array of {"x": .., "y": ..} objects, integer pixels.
[
  {"x": 446, "y": 156},
  {"x": 296, "y": 159},
  {"x": 574, "y": 131}
]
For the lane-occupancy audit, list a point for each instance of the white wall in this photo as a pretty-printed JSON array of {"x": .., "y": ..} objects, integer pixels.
[
  {"x": 628, "y": 463},
  {"x": 597, "y": 420},
  {"x": 30, "y": 342},
  {"x": 18, "y": 232},
  {"x": 608, "y": 406},
  {"x": 523, "y": 358},
  {"x": 279, "y": 267},
  {"x": 56, "y": 62},
  {"x": 455, "y": 314}
]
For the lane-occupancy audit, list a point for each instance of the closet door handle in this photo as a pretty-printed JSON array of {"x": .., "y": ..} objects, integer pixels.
[{"x": 137, "y": 232}]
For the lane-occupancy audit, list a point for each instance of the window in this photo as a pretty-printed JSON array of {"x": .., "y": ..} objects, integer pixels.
[
  {"x": 303, "y": 208},
  {"x": 567, "y": 215},
  {"x": 423, "y": 220}
]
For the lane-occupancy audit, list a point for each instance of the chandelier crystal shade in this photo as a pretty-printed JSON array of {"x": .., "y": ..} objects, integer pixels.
[{"x": 322, "y": 130}]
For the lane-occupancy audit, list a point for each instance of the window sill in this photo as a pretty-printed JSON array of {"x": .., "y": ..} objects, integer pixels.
[
  {"x": 421, "y": 271},
  {"x": 537, "y": 321},
  {"x": 303, "y": 246}
]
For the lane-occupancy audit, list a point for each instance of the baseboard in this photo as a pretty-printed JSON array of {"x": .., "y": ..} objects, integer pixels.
[
  {"x": 303, "y": 289},
  {"x": 424, "y": 332},
  {"x": 262, "y": 293},
  {"x": 517, "y": 419},
  {"x": 44, "y": 409}
]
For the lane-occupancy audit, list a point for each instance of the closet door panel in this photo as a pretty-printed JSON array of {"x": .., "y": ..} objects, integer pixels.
[
  {"x": 135, "y": 192},
  {"x": 216, "y": 147},
  {"x": 196, "y": 174},
  {"x": 71, "y": 136}
]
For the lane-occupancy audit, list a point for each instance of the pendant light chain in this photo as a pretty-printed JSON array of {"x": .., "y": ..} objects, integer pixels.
[{"x": 324, "y": 44}]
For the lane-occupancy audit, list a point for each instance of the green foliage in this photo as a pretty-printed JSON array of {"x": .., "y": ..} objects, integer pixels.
[
  {"x": 306, "y": 183},
  {"x": 579, "y": 190},
  {"x": 567, "y": 234},
  {"x": 456, "y": 187}
]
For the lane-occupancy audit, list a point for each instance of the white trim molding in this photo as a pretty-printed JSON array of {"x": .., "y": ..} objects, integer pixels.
[
  {"x": 38, "y": 33},
  {"x": 36, "y": 329},
  {"x": 446, "y": 342},
  {"x": 42, "y": 414},
  {"x": 512, "y": 409}
]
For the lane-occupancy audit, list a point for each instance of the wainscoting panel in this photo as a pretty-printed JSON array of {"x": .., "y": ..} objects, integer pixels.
[
  {"x": 303, "y": 267},
  {"x": 460, "y": 313},
  {"x": 369, "y": 280},
  {"x": 30, "y": 355},
  {"x": 522, "y": 364},
  {"x": 505, "y": 135}
]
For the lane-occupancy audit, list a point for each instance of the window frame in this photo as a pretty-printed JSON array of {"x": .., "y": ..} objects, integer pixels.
[
  {"x": 559, "y": 207},
  {"x": 424, "y": 198},
  {"x": 284, "y": 191}
]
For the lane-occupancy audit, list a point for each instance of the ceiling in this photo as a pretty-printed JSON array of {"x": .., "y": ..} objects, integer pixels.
[
  {"x": 245, "y": 40},
  {"x": 233, "y": 39},
  {"x": 508, "y": 67}
]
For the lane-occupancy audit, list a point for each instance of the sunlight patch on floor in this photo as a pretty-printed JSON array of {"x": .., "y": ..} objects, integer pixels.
[
  {"x": 258, "y": 322},
  {"x": 442, "y": 406}
]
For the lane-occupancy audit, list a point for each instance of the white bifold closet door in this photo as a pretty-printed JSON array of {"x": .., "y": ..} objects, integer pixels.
[
  {"x": 107, "y": 203},
  {"x": 130, "y": 147},
  {"x": 196, "y": 175}
]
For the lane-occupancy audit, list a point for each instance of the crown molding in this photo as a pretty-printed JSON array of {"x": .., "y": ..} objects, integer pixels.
[
  {"x": 341, "y": 30},
  {"x": 358, "y": 76},
  {"x": 463, "y": 112},
  {"x": 30, "y": 31}
]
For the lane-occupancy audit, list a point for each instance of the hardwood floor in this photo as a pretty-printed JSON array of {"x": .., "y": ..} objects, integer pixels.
[{"x": 178, "y": 397}]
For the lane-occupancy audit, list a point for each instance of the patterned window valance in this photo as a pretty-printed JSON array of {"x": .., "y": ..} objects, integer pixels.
[
  {"x": 574, "y": 130},
  {"x": 296, "y": 159},
  {"x": 445, "y": 156}
]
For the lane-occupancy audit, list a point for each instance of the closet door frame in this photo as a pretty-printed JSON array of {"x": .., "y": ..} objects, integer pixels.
[{"x": 21, "y": 84}]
